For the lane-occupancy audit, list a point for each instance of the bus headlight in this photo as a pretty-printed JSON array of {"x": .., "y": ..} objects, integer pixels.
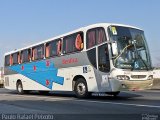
[
  {"x": 150, "y": 77},
  {"x": 123, "y": 77}
]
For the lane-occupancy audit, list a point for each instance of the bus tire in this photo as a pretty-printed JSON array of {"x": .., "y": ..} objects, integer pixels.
[
  {"x": 44, "y": 92},
  {"x": 80, "y": 88},
  {"x": 20, "y": 88}
]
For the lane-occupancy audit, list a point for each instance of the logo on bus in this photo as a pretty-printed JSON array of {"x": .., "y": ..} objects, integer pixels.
[
  {"x": 69, "y": 61},
  {"x": 136, "y": 65},
  {"x": 47, "y": 82}
]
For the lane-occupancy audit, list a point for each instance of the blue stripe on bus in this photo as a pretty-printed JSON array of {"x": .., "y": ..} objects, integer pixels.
[{"x": 42, "y": 72}]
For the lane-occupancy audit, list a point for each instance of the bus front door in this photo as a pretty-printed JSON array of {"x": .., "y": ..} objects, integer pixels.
[{"x": 103, "y": 67}]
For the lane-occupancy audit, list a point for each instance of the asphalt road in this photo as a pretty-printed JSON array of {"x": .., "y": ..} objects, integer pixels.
[{"x": 141, "y": 105}]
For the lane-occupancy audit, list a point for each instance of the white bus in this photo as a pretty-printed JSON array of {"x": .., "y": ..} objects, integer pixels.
[{"x": 101, "y": 58}]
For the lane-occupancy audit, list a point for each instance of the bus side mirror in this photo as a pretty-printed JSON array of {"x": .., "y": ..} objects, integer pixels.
[{"x": 114, "y": 49}]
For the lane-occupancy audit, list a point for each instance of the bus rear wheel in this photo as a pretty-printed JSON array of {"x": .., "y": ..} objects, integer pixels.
[
  {"x": 44, "y": 92},
  {"x": 80, "y": 88},
  {"x": 20, "y": 88}
]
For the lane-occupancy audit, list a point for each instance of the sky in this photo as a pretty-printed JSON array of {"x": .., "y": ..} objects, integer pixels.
[{"x": 25, "y": 22}]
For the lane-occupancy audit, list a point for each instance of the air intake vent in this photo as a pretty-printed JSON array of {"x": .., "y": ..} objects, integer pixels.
[
  {"x": 6, "y": 83},
  {"x": 138, "y": 76}
]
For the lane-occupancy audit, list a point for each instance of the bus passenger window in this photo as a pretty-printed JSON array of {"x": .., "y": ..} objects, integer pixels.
[
  {"x": 91, "y": 39},
  {"x": 19, "y": 57},
  {"x": 29, "y": 57},
  {"x": 34, "y": 54},
  {"x": 47, "y": 50},
  {"x": 11, "y": 60},
  {"x": 103, "y": 58},
  {"x": 59, "y": 45},
  {"x": 53, "y": 48},
  {"x": 15, "y": 58},
  {"x": 95, "y": 36},
  {"x": 38, "y": 52},
  {"x": 73, "y": 43},
  {"x": 79, "y": 42},
  {"x": 101, "y": 36},
  {"x": 7, "y": 60},
  {"x": 25, "y": 56}
]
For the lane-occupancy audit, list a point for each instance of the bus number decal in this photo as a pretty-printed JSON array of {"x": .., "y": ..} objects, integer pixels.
[
  {"x": 22, "y": 67},
  {"x": 47, "y": 82},
  {"x": 47, "y": 63}
]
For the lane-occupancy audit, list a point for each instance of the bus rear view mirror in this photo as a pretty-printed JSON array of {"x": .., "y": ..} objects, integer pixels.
[{"x": 114, "y": 49}]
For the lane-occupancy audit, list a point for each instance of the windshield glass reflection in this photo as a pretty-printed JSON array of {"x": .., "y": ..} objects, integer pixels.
[{"x": 133, "y": 51}]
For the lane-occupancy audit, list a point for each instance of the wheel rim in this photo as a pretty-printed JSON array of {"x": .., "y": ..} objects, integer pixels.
[
  {"x": 19, "y": 88},
  {"x": 81, "y": 88}
]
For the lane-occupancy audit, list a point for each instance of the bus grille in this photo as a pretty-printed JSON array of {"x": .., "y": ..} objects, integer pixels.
[
  {"x": 138, "y": 76},
  {"x": 6, "y": 83}
]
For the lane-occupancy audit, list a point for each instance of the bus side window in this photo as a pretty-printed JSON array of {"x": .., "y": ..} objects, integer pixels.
[
  {"x": 79, "y": 42},
  {"x": 25, "y": 55},
  {"x": 22, "y": 57},
  {"x": 101, "y": 37},
  {"x": 11, "y": 60},
  {"x": 53, "y": 48},
  {"x": 7, "y": 60},
  {"x": 73, "y": 43},
  {"x": 19, "y": 57},
  {"x": 91, "y": 39},
  {"x": 29, "y": 55},
  {"x": 47, "y": 50},
  {"x": 95, "y": 36},
  {"x": 34, "y": 54},
  {"x": 59, "y": 45},
  {"x": 15, "y": 58},
  {"x": 38, "y": 52}
]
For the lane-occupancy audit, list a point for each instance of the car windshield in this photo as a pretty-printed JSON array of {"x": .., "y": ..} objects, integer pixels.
[{"x": 132, "y": 48}]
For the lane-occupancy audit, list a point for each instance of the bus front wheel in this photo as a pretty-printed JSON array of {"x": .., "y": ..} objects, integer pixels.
[{"x": 80, "y": 88}]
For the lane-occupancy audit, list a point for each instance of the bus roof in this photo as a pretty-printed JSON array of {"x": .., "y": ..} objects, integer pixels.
[{"x": 74, "y": 31}]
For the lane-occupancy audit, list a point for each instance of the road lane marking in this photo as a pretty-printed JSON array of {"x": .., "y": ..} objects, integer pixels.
[
  {"x": 37, "y": 97},
  {"x": 79, "y": 100},
  {"x": 115, "y": 103}
]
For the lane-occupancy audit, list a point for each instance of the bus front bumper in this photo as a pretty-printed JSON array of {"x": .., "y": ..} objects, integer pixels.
[{"x": 134, "y": 85}]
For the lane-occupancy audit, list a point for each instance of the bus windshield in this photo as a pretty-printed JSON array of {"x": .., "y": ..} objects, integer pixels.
[{"x": 132, "y": 48}]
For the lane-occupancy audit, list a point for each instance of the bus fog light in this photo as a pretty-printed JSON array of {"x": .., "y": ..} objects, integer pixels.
[
  {"x": 123, "y": 77},
  {"x": 151, "y": 84},
  {"x": 150, "y": 77},
  {"x": 124, "y": 86}
]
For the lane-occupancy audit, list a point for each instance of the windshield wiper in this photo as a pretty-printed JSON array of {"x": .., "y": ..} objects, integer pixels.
[
  {"x": 136, "y": 52},
  {"x": 143, "y": 62},
  {"x": 121, "y": 53}
]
